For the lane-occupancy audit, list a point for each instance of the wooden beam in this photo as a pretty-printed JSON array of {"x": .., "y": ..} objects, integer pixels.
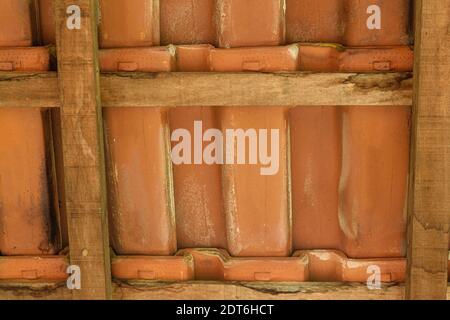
[
  {"x": 429, "y": 203},
  {"x": 34, "y": 291},
  {"x": 212, "y": 89},
  {"x": 254, "y": 291},
  {"x": 82, "y": 144},
  {"x": 202, "y": 290},
  {"x": 213, "y": 291},
  {"x": 29, "y": 90},
  {"x": 254, "y": 89}
]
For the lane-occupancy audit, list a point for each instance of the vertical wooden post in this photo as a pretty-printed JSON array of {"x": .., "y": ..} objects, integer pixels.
[
  {"x": 429, "y": 205},
  {"x": 83, "y": 155}
]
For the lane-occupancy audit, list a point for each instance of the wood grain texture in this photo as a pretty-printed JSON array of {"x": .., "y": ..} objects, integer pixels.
[
  {"x": 254, "y": 291},
  {"x": 29, "y": 90},
  {"x": 83, "y": 153},
  {"x": 211, "y": 89},
  {"x": 429, "y": 203},
  {"x": 254, "y": 89},
  {"x": 212, "y": 291},
  {"x": 34, "y": 291}
]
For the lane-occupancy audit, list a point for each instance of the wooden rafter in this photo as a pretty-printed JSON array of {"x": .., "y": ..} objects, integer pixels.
[
  {"x": 82, "y": 145},
  {"x": 429, "y": 204}
]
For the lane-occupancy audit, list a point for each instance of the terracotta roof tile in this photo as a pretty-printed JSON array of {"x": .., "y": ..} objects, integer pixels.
[{"x": 348, "y": 165}]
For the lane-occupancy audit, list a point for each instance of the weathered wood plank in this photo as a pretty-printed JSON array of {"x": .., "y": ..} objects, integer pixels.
[
  {"x": 429, "y": 203},
  {"x": 211, "y": 89},
  {"x": 34, "y": 291},
  {"x": 254, "y": 291},
  {"x": 29, "y": 90},
  {"x": 82, "y": 144},
  {"x": 213, "y": 291},
  {"x": 253, "y": 89}
]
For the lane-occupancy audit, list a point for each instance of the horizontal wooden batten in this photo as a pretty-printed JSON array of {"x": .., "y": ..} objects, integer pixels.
[
  {"x": 254, "y": 291},
  {"x": 26, "y": 290},
  {"x": 32, "y": 90},
  {"x": 148, "y": 290},
  {"x": 218, "y": 89}
]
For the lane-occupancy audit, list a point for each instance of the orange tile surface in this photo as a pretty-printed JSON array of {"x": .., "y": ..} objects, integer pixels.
[
  {"x": 47, "y": 21},
  {"x": 304, "y": 57},
  {"x": 337, "y": 153},
  {"x": 129, "y": 23},
  {"x": 347, "y": 22},
  {"x": 265, "y": 59},
  {"x": 329, "y": 58},
  {"x": 349, "y": 179},
  {"x": 141, "y": 212},
  {"x": 298, "y": 57},
  {"x": 198, "y": 193},
  {"x": 250, "y": 23},
  {"x": 153, "y": 59},
  {"x": 123, "y": 23},
  {"x": 26, "y": 222},
  {"x": 33, "y": 268},
  {"x": 218, "y": 265},
  {"x": 15, "y": 23},
  {"x": 193, "y": 58},
  {"x": 241, "y": 23},
  {"x": 393, "y": 26},
  {"x": 334, "y": 266},
  {"x": 188, "y": 22},
  {"x": 141, "y": 216},
  {"x": 180, "y": 268},
  {"x": 24, "y": 59},
  {"x": 256, "y": 205},
  {"x": 225, "y": 23}
]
